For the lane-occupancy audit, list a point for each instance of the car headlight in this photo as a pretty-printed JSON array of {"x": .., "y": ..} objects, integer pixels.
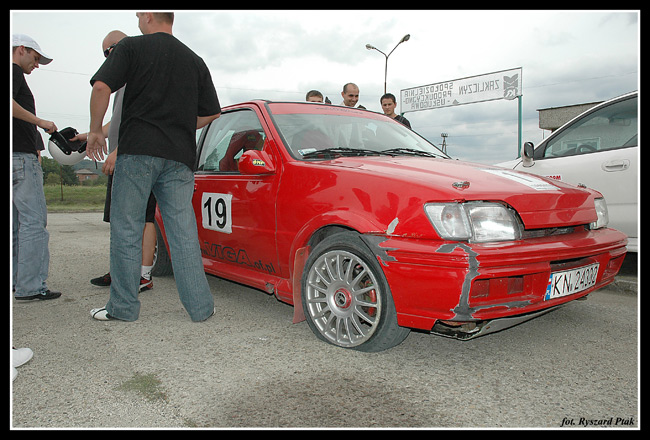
[
  {"x": 474, "y": 221},
  {"x": 603, "y": 216}
]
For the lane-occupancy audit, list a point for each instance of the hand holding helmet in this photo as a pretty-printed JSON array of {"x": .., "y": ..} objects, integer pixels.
[{"x": 63, "y": 149}]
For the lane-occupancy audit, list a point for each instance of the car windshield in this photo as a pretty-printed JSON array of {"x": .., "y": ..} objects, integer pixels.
[{"x": 314, "y": 136}]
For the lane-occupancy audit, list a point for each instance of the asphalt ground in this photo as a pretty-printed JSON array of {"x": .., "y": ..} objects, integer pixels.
[{"x": 250, "y": 367}]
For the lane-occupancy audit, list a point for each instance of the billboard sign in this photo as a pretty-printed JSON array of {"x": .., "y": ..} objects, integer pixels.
[{"x": 505, "y": 84}]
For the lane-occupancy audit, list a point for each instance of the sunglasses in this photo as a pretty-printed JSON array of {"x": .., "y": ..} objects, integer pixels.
[{"x": 107, "y": 52}]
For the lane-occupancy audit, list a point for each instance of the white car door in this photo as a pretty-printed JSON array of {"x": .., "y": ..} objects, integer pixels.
[{"x": 600, "y": 150}]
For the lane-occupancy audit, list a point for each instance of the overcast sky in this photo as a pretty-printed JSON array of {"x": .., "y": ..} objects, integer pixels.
[{"x": 567, "y": 57}]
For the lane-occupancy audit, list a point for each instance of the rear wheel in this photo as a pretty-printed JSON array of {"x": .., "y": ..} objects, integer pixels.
[{"x": 346, "y": 298}]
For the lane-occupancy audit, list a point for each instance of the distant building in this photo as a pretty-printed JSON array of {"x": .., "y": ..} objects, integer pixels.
[
  {"x": 553, "y": 118},
  {"x": 84, "y": 175}
]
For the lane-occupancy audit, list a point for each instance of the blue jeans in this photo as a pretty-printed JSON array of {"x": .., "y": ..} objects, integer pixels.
[
  {"x": 172, "y": 183},
  {"x": 30, "y": 252}
]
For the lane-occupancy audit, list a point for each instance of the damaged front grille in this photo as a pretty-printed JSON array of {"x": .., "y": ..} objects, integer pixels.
[{"x": 550, "y": 232}]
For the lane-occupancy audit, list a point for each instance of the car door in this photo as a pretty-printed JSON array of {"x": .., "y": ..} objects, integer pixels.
[
  {"x": 235, "y": 212},
  {"x": 600, "y": 150}
]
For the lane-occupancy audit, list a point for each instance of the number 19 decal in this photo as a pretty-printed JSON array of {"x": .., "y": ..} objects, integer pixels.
[{"x": 215, "y": 212}]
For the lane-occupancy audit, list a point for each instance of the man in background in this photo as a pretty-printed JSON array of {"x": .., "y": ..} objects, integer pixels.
[
  {"x": 388, "y": 105},
  {"x": 111, "y": 132},
  {"x": 350, "y": 96}
]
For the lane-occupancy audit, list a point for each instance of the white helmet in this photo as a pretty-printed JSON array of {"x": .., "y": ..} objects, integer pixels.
[{"x": 64, "y": 151}]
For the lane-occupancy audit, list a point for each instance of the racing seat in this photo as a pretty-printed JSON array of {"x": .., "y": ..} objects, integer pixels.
[{"x": 242, "y": 141}]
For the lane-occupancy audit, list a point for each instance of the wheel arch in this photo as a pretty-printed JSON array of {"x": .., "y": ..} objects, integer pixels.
[{"x": 324, "y": 225}]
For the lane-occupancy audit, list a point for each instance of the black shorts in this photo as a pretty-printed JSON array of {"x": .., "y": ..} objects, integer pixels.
[{"x": 151, "y": 204}]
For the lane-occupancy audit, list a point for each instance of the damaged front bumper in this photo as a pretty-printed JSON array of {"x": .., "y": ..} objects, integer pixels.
[
  {"x": 465, "y": 290},
  {"x": 473, "y": 329}
]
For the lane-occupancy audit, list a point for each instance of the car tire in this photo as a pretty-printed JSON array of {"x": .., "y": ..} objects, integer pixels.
[
  {"x": 346, "y": 298},
  {"x": 162, "y": 263}
]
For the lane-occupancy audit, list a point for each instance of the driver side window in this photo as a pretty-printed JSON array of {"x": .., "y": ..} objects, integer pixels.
[
  {"x": 228, "y": 137},
  {"x": 608, "y": 128}
]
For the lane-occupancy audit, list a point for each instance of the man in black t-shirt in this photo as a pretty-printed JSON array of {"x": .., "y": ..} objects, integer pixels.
[
  {"x": 388, "y": 104},
  {"x": 169, "y": 95},
  {"x": 30, "y": 237}
]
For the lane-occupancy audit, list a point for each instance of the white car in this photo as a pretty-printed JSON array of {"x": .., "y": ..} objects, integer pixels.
[{"x": 598, "y": 149}]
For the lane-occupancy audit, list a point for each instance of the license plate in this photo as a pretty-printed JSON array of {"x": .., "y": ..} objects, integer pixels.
[{"x": 568, "y": 282}]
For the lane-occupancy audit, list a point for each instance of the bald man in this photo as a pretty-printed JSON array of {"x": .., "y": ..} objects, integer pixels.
[{"x": 350, "y": 96}]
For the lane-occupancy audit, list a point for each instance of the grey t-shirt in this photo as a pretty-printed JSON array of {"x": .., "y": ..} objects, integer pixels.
[{"x": 116, "y": 118}]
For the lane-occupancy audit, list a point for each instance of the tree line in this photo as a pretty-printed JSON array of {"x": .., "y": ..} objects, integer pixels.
[{"x": 56, "y": 174}]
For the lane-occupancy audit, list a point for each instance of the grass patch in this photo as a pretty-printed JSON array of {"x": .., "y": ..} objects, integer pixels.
[
  {"x": 75, "y": 198},
  {"x": 148, "y": 385}
]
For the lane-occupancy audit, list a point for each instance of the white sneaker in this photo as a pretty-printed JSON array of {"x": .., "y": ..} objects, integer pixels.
[
  {"x": 20, "y": 356},
  {"x": 101, "y": 314}
]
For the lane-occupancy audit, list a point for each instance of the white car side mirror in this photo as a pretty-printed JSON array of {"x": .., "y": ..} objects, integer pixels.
[{"x": 527, "y": 152}]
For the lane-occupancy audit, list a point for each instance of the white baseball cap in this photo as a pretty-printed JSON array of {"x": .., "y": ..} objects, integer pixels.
[{"x": 27, "y": 41}]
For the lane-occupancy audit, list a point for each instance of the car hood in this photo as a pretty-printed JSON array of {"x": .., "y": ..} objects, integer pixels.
[
  {"x": 540, "y": 202},
  {"x": 511, "y": 164}
]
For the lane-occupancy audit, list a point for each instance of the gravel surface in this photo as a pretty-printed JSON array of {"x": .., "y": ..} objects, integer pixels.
[{"x": 250, "y": 367}]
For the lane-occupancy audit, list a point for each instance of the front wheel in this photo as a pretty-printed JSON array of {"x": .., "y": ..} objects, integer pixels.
[{"x": 346, "y": 298}]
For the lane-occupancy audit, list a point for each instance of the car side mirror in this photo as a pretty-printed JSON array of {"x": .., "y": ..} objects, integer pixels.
[
  {"x": 256, "y": 162},
  {"x": 527, "y": 152}
]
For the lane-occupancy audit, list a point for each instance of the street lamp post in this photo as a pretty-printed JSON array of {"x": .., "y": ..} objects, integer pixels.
[{"x": 370, "y": 47}]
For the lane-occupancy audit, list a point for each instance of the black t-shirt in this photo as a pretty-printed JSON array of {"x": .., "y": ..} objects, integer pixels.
[
  {"x": 403, "y": 120},
  {"x": 25, "y": 137},
  {"x": 169, "y": 86}
]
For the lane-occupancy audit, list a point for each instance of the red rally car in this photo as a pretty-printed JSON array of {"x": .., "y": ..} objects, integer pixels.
[{"x": 369, "y": 230}]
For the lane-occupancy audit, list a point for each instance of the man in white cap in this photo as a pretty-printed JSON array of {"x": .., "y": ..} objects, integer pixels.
[
  {"x": 29, "y": 43},
  {"x": 30, "y": 238}
]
